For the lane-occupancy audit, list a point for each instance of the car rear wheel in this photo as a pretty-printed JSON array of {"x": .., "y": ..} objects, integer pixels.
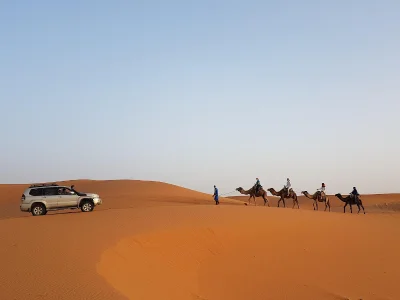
[
  {"x": 38, "y": 209},
  {"x": 87, "y": 206}
]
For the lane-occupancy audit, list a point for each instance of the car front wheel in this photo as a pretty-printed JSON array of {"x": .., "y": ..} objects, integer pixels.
[{"x": 87, "y": 206}]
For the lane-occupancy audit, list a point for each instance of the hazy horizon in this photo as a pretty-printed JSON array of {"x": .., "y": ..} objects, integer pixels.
[{"x": 197, "y": 94}]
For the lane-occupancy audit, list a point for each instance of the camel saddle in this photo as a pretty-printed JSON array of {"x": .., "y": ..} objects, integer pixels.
[
  {"x": 287, "y": 190},
  {"x": 321, "y": 196},
  {"x": 259, "y": 188}
]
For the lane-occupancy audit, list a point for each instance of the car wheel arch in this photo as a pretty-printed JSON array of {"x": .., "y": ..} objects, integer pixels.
[
  {"x": 40, "y": 203},
  {"x": 83, "y": 200}
]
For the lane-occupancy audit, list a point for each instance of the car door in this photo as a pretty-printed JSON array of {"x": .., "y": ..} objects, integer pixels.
[
  {"x": 50, "y": 196},
  {"x": 68, "y": 198}
]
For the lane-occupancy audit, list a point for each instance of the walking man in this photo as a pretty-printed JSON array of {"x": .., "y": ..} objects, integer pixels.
[{"x": 215, "y": 195}]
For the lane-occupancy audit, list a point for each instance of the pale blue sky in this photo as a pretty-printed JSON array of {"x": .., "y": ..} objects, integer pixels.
[{"x": 198, "y": 93}]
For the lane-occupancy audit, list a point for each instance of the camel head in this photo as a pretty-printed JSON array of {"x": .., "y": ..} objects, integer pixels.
[
  {"x": 341, "y": 198},
  {"x": 239, "y": 189},
  {"x": 339, "y": 195},
  {"x": 304, "y": 192}
]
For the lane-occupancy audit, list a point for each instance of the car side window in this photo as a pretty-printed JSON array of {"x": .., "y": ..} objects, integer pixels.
[
  {"x": 68, "y": 191},
  {"x": 36, "y": 192},
  {"x": 51, "y": 191}
]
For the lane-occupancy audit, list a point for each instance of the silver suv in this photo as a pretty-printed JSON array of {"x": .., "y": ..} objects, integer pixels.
[{"x": 40, "y": 198}]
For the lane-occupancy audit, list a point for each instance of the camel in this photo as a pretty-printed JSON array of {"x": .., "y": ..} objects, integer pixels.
[
  {"x": 317, "y": 197},
  {"x": 252, "y": 192},
  {"x": 350, "y": 201},
  {"x": 282, "y": 195}
]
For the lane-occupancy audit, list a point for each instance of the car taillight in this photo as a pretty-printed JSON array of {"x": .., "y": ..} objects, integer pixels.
[{"x": 22, "y": 198}]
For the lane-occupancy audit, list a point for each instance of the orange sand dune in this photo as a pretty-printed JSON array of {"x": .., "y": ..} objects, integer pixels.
[
  {"x": 259, "y": 254},
  {"x": 150, "y": 241}
]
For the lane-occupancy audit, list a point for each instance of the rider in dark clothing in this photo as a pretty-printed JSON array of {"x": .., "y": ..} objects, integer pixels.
[
  {"x": 258, "y": 185},
  {"x": 355, "y": 193}
]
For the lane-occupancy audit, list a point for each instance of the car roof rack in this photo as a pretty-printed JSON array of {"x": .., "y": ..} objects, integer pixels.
[{"x": 43, "y": 184}]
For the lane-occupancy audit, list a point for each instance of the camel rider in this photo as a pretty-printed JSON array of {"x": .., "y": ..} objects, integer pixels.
[
  {"x": 287, "y": 186},
  {"x": 257, "y": 185},
  {"x": 322, "y": 190},
  {"x": 354, "y": 193}
]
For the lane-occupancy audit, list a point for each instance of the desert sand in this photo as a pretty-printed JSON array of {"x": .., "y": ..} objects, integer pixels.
[{"x": 152, "y": 240}]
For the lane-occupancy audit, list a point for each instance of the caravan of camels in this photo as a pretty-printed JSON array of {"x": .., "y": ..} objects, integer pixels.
[{"x": 288, "y": 193}]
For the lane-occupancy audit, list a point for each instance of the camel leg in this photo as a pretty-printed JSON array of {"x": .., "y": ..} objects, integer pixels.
[
  {"x": 316, "y": 203},
  {"x": 344, "y": 207},
  {"x": 249, "y": 199},
  {"x": 284, "y": 204},
  {"x": 266, "y": 201},
  {"x": 313, "y": 205},
  {"x": 363, "y": 208},
  {"x": 327, "y": 205},
  {"x": 295, "y": 201},
  {"x": 351, "y": 208}
]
